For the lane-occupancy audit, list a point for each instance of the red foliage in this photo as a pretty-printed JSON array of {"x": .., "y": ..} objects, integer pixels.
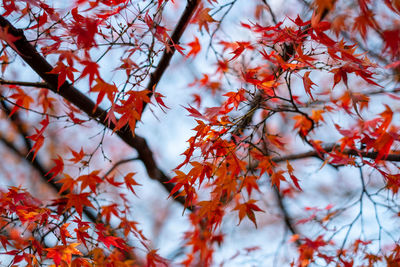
[{"x": 280, "y": 104}]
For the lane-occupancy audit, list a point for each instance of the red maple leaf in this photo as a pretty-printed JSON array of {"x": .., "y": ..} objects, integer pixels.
[{"x": 56, "y": 170}]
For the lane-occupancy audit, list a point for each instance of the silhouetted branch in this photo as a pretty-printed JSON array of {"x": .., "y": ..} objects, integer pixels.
[
  {"x": 395, "y": 157},
  {"x": 123, "y": 161}
]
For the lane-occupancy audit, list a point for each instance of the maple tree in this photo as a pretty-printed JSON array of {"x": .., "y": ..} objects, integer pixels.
[{"x": 293, "y": 128}]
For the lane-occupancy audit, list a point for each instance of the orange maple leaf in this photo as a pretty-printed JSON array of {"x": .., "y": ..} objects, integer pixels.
[
  {"x": 56, "y": 170},
  {"x": 64, "y": 233},
  {"x": 104, "y": 88},
  {"x": 308, "y": 84},
  {"x": 68, "y": 183},
  {"x": 22, "y": 100},
  {"x": 130, "y": 182},
  {"x": 38, "y": 137},
  {"x": 276, "y": 178},
  {"x": 78, "y": 201},
  {"x": 247, "y": 209},
  {"x": 194, "y": 47},
  {"x": 303, "y": 123},
  {"x": 63, "y": 253},
  {"x": 90, "y": 180},
  {"x": 294, "y": 178},
  {"x": 109, "y": 210},
  {"x": 202, "y": 18},
  {"x": 77, "y": 156},
  {"x": 316, "y": 115}
]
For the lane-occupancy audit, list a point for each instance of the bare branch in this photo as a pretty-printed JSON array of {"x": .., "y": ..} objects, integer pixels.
[
  {"x": 123, "y": 161},
  {"x": 395, "y": 156}
]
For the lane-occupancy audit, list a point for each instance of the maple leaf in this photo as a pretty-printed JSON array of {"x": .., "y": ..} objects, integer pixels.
[
  {"x": 179, "y": 180},
  {"x": 91, "y": 180},
  {"x": 321, "y": 7},
  {"x": 84, "y": 29},
  {"x": 387, "y": 116},
  {"x": 159, "y": 99},
  {"x": 250, "y": 183},
  {"x": 235, "y": 97},
  {"x": 68, "y": 183},
  {"x": 111, "y": 181},
  {"x": 40, "y": 21},
  {"x": 303, "y": 123},
  {"x": 130, "y": 182},
  {"x": 22, "y": 100},
  {"x": 38, "y": 137},
  {"x": 294, "y": 178},
  {"x": 4, "y": 241},
  {"x": 131, "y": 109},
  {"x": 110, "y": 240},
  {"x": 276, "y": 178},
  {"x": 104, "y": 88},
  {"x": 308, "y": 84},
  {"x": 82, "y": 234},
  {"x": 128, "y": 65},
  {"x": 91, "y": 69},
  {"x": 63, "y": 253},
  {"x": 64, "y": 233},
  {"x": 78, "y": 201},
  {"x": 240, "y": 47},
  {"x": 56, "y": 170},
  {"x": 362, "y": 22},
  {"x": 77, "y": 156},
  {"x": 383, "y": 144},
  {"x": 394, "y": 5},
  {"x": 392, "y": 41},
  {"x": 195, "y": 47},
  {"x": 107, "y": 211},
  {"x": 339, "y": 24},
  {"x": 154, "y": 260},
  {"x": 202, "y": 18},
  {"x": 160, "y": 32},
  {"x": 45, "y": 100},
  {"x": 316, "y": 115},
  {"x": 63, "y": 72},
  {"x": 194, "y": 112},
  {"x": 247, "y": 209}
]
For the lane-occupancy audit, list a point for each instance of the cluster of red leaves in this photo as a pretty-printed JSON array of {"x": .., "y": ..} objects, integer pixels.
[
  {"x": 224, "y": 146},
  {"x": 228, "y": 156},
  {"x": 22, "y": 213}
]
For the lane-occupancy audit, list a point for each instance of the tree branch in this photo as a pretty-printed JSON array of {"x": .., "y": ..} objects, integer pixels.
[
  {"x": 395, "y": 156},
  {"x": 21, "y": 83},
  {"x": 169, "y": 51}
]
